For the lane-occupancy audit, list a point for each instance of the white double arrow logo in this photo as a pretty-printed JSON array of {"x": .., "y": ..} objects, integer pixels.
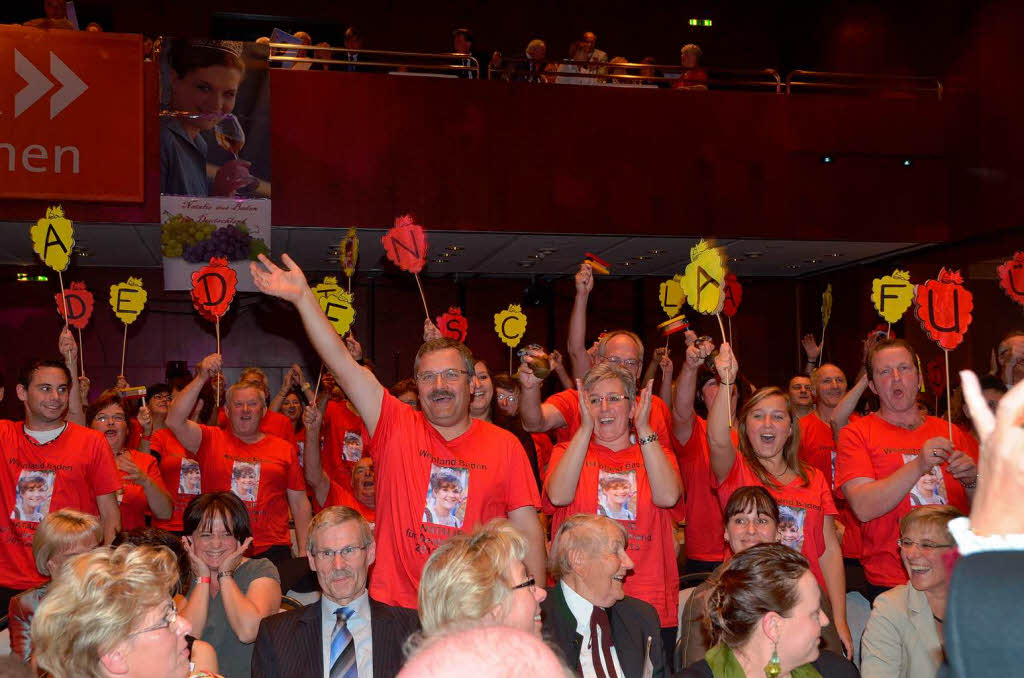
[{"x": 72, "y": 86}]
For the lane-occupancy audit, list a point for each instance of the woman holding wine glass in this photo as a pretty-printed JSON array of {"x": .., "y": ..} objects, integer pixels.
[{"x": 203, "y": 85}]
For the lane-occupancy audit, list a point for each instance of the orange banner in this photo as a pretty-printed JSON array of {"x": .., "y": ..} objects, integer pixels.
[{"x": 71, "y": 111}]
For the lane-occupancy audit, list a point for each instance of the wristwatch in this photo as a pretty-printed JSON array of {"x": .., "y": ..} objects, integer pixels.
[
  {"x": 648, "y": 439},
  {"x": 225, "y": 573}
]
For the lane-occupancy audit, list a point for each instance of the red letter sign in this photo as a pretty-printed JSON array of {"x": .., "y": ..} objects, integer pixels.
[
  {"x": 79, "y": 305},
  {"x": 213, "y": 289},
  {"x": 1011, "y": 277},
  {"x": 944, "y": 308},
  {"x": 733, "y": 294},
  {"x": 453, "y": 324},
  {"x": 406, "y": 244}
]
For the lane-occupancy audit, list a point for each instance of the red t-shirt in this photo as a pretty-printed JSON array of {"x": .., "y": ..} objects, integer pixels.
[
  {"x": 802, "y": 509},
  {"x": 259, "y": 474},
  {"x": 567, "y": 402},
  {"x": 134, "y": 434},
  {"x": 704, "y": 527},
  {"x": 67, "y": 472},
  {"x": 627, "y": 498},
  {"x": 132, "y": 497},
  {"x": 543, "y": 444},
  {"x": 342, "y": 496},
  {"x": 181, "y": 475},
  {"x": 873, "y": 448},
  {"x": 274, "y": 423},
  {"x": 482, "y": 474},
  {"x": 817, "y": 448},
  {"x": 343, "y": 435}
]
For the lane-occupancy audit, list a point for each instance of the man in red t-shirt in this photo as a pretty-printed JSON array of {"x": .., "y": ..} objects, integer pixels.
[
  {"x": 439, "y": 471},
  {"x": 48, "y": 464},
  {"x": 272, "y": 422},
  {"x": 261, "y": 468},
  {"x": 883, "y": 456},
  {"x": 359, "y": 493},
  {"x": 818, "y": 448}
]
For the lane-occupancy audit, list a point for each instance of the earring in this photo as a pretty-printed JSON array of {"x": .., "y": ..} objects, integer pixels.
[{"x": 774, "y": 667}]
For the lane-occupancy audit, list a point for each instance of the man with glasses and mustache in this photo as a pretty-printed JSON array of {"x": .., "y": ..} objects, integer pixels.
[
  {"x": 346, "y": 633},
  {"x": 406, "y": 444}
]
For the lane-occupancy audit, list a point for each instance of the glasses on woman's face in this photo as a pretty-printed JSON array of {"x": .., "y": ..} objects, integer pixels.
[
  {"x": 528, "y": 584},
  {"x": 116, "y": 418},
  {"x": 923, "y": 545},
  {"x": 163, "y": 398},
  {"x": 169, "y": 618},
  {"x": 611, "y": 399}
]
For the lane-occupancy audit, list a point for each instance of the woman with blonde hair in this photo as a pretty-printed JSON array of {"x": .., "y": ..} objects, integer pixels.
[
  {"x": 61, "y": 535},
  {"x": 481, "y": 576},
  {"x": 111, "y": 614}
]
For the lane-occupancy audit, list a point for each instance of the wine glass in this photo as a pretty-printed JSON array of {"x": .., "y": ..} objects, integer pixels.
[{"x": 231, "y": 137}]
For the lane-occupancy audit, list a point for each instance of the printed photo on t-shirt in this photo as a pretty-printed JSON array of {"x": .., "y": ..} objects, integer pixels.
[
  {"x": 791, "y": 526},
  {"x": 930, "y": 488},
  {"x": 616, "y": 494},
  {"x": 245, "y": 480},
  {"x": 446, "y": 496},
  {"x": 189, "y": 480},
  {"x": 33, "y": 494},
  {"x": 352, "y": 449}
]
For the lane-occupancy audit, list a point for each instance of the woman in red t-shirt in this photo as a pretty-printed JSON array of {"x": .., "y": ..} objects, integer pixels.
[
  {"x": 142, "y": 490},
  {"x": 603, "y": 471},
  {"x": 769, "y": 444}
]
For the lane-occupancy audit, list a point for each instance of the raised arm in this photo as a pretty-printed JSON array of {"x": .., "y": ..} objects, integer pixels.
[
  {"x": 289, "y": 283},
  {"x": 287, "y": 383},
  {"x": 667, "y": 369},
  {"x": 69, "y": 349},
  {"x": 686, "y": 387},
  {"x": 302, "y": 513},
  {"x": 536, "y": 416},
  {"x": 316, "y": 478},
  {"x": 848, "y": 403},
  {"x": 723, "y": 454},
  {"x": 558, "y": 365},
  {"x": 578, "y": 357},
  {"x": 188, "y": 432},
  {"x": 666, "y": 486},
  {"x": 565, "y": 475},
  {"x": 812, "y": 350}
]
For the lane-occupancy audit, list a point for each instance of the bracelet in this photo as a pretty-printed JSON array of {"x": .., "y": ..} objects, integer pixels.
[
  {"x": 726, "y": 383},
  {"x": 201, "y": 580},
  {"x": 225, "y": 573},
  {"x": 971, "y": 485},
  {"x": 648, "y": 439}
]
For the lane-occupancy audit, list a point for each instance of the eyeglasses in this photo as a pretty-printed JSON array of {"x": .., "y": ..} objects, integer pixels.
[
  {"x": 116, "y": 418},
  {"x": 346, "y": 552},
  {"x": 161, "y": 398},
  {"x": 923, "y": 545},
  {"x": 169, "y": 618},
  {"x": 628, "y": 362},
  {"x": 451, "y": 376},
  {"x": 528, "y": 584},
  {"x": 611, "y": 399},
  {"x": 502, "y": 398}
]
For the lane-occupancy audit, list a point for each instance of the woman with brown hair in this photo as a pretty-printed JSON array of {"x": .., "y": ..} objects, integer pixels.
[
  {"x": 763, "y": 617},
  {"x": 768, "y": 455}
]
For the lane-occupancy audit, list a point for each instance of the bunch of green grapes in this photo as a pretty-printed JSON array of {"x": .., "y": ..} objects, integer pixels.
[{"x": 180, "y": 232}]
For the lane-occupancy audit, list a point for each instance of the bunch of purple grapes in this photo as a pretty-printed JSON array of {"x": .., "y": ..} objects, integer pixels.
[{"x": 230, "y": 242}]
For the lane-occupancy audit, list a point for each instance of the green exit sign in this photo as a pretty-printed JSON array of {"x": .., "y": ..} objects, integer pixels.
[{"x": 704, "y": 23}]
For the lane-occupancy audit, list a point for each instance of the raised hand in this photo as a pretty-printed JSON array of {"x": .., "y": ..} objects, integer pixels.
[
  {"x": 555, "y": 360},
  {"x": 311, "y": 418},
  {"x": 122, "y": 383},
  {"x": 145, "y": 418},
  {"x": 210, "y": 365},
  {"x": 642, "y": 415},
  {"x": 584, "y": 278},
  {"x": 234, "y": 559},
  {"x": 287, "y": 283},
  {"x": 697, "y": 351},
  {"x": 354, "y": 347},
  {"x": 726, "y": 364},
  {"x": 811, "y": 348},
  {"x": 83, "y": 386},
  {"x": 526, "y": 376},
  {"x": 586, "y": 419},
  {"x": 996, "y": 508},
  {"x": 67, "y": 346},
  {"x": 430, "y": 331}
]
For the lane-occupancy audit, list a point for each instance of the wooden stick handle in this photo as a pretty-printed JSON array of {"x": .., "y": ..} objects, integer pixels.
[
  {"x": 949, "y": 406},
  {"x": 422, "y": 296},
  {"x": 124, "y": 347}
]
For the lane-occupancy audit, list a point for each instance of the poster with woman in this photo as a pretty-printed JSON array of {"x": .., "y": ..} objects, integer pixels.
[
  {"x": 616, "y": 494},
  {"x": 446, "y": 496},
  {"x": 33, "y": 494}
]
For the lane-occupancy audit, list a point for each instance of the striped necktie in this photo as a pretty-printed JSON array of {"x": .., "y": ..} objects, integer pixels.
[{"x": 343, "y": 647}]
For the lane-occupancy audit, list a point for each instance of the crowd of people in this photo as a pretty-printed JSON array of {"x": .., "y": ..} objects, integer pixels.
[{"x": 178, "y": 534}]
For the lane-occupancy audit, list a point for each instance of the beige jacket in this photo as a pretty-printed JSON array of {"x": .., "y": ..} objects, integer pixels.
[{"x": 901, "y": 639}]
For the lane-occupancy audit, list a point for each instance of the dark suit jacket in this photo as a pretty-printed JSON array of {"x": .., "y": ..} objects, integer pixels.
[
  {"x": 288, "y": 644},
  {"x": 633, "y": 621},
  {"x": 984, "y": 616}
]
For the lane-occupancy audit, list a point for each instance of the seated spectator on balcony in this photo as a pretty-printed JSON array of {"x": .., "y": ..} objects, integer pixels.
[
  {"x": 324, "y": 54},
  {"x": 694, "y": 78},
  {"x": 56, "y": 17},
  {"x": 463, "y": 44},
  {"x": 533, "y": 69},
  {"x": 354, "y": 41},
  {"x": 589, "y": 43},
  {"x": 651, "y": 74},
  {"x": 577, "y": 62}
]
